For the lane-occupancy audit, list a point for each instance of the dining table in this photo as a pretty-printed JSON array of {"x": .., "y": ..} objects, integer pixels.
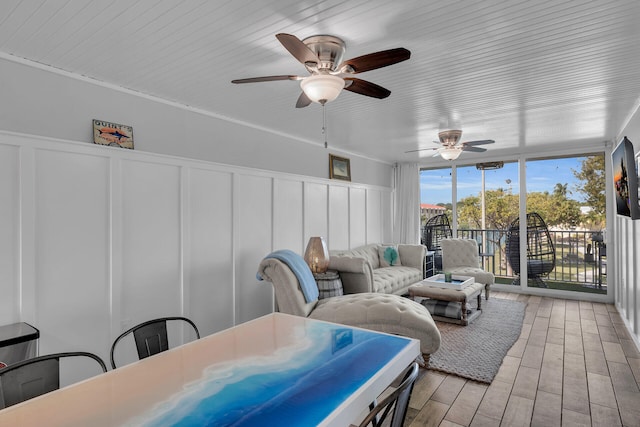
[{"x": 275, "y": 370}]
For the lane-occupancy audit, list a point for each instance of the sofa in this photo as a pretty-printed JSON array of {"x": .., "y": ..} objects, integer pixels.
[{"x": 365, "y": 269}]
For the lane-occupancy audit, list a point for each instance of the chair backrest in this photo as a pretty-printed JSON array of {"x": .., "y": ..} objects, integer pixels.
[
  {"x": 30, "y": 378},
  {"x": 289, "y": 296},
  {"x": 541, "y": 254},
  {"x": 150, "y": 336},
  {"x": 459, "y": 253},
  {"x": 395, "y": 403}
]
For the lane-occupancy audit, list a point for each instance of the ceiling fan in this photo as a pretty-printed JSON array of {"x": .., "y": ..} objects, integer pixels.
[
  {"x": 322, "y": 56},
  {"x": 451, "y": 148}
]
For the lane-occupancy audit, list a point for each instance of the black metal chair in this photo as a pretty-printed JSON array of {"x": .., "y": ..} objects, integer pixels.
[
  {"x": 436, "y": 229},
  {"x": 541, "y": 253},
  {"x": 33, "y": 377},
  {"x": 395, "y": 403},
  {"x": 150, "y": 337}
]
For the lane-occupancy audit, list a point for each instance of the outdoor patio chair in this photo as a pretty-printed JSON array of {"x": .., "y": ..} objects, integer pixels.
[{"x": 541, "y": 253}]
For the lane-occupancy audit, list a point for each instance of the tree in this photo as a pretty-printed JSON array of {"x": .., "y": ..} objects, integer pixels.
[
  {"x": 592, "y": 185},
  {"x": 556, "y": 209}
]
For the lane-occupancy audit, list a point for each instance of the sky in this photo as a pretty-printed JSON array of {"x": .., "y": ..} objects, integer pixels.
[{"x": 542, "y": 175}]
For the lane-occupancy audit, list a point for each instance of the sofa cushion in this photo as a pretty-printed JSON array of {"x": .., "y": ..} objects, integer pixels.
[
  {"x": 389, "y": 256},
  {"x": 480, "y": 275},
  {"x": 394, "y": 280}
]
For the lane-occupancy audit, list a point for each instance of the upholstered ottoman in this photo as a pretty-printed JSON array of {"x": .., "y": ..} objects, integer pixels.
[{"x": 457, "y": 298}]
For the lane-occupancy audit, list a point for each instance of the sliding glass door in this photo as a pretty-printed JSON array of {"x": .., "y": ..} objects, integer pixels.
[
  {"x": 564, "y": 200},
  {"x": 487, "y": 203},
  {"x": 568, "y": 196}
]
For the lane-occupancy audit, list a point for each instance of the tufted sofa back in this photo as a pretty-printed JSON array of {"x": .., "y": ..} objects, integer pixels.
[{"x": 368, "y": 252}]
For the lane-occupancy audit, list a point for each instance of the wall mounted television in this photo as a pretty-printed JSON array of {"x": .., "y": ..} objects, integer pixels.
[{"x": 625, "y": 180}]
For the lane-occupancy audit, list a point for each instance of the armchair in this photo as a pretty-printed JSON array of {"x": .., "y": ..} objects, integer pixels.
[
  {"x": 461, "y": 256},
  {"x": 386, "y": 313}
]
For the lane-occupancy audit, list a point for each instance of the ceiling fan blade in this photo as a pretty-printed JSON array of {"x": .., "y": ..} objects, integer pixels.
[
  {"x": 420, "y": 149},
  {"x": 299, "y": 50},
  {"x": 480, "y": 142},
  {"x": 474, "y": 149},
  {"x": 266, "y": 79},
  {"x": 366, "y": 88},
  {"x": 376, "y": 60},
  {"x": 303, "y": 101}
]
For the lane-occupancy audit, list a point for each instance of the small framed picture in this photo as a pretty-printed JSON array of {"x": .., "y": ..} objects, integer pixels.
[
  {"x": 113, "y": 134},
  {"x": 339, "y": 168}
]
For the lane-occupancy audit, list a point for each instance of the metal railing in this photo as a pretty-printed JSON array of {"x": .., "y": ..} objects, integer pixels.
[{"x": 580, "y": 255}]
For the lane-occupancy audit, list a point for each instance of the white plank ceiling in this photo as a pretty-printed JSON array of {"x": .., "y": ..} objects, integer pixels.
[{"x": 528, "y": 74}]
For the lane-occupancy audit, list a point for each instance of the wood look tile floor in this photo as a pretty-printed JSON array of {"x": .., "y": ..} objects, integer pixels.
[{"x": 573, "y": 365}]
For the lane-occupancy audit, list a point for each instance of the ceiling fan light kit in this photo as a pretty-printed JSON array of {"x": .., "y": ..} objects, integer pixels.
[
  {"x": 322, "y": 88},
  {"x": 450, "y": 153}
]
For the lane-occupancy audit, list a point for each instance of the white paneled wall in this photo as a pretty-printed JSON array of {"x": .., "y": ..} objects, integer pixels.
[
  {"x": 209, "y": 204},
  {"x": 9, "y": 233},
  {"x": 338, "y": 208},
  {"x": 95, "y": 239},
  {"x": 357, "y": 217},
  {"x": 623, "y": 271}
]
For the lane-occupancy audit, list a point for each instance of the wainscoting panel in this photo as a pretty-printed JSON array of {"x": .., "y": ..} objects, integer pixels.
[
  {"x": 315, "y": 210},
  {"x": 209, "y": 260},
  {"x": 72, "y": 255},
  {"x": 374, "y": 217},
  {"x": 357, "y": 217},
  {"x": 151, "y": 246},
  {"x": 338, "y": 210},
  {"x": 288, "y": 229},
  {"x": 387, "y": 204},
  {"x": 9, "y": 233},
  {"x": 252, "y": 211},
  {"x": 96, "y": 239}
]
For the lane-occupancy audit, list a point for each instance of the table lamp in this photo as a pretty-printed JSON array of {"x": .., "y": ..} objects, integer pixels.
[{"x": 317, "y": 255}]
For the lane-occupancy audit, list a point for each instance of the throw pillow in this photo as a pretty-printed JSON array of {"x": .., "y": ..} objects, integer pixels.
[{"x": 389, "y": 256}]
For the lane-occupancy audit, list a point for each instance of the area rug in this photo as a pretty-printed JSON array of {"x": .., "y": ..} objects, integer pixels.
[{"x": 476, "y": 351}]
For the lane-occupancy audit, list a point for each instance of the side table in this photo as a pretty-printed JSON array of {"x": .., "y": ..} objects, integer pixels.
[
  {"x": 429, "y": 268},
  {"x": 329, "y": 284}
]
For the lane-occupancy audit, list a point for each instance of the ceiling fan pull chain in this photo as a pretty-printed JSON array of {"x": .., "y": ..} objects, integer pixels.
[{"x": 324, "y": 123}]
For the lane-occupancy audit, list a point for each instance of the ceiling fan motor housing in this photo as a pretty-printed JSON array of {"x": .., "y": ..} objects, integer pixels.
[
  {"x": 450, "y": 137},
  {"x": 329, "y": 49}
]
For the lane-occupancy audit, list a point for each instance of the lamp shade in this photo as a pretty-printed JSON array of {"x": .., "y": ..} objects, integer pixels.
[
  {"x": 317, "y": 255},
  {"x": 450, "y": 153},
  {"x": 322, "y": 88}
]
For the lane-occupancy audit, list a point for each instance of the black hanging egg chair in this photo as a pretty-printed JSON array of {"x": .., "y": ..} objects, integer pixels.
[
  {"x": 541, "y": 253},
  {"x": 436, "y": 229}
]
